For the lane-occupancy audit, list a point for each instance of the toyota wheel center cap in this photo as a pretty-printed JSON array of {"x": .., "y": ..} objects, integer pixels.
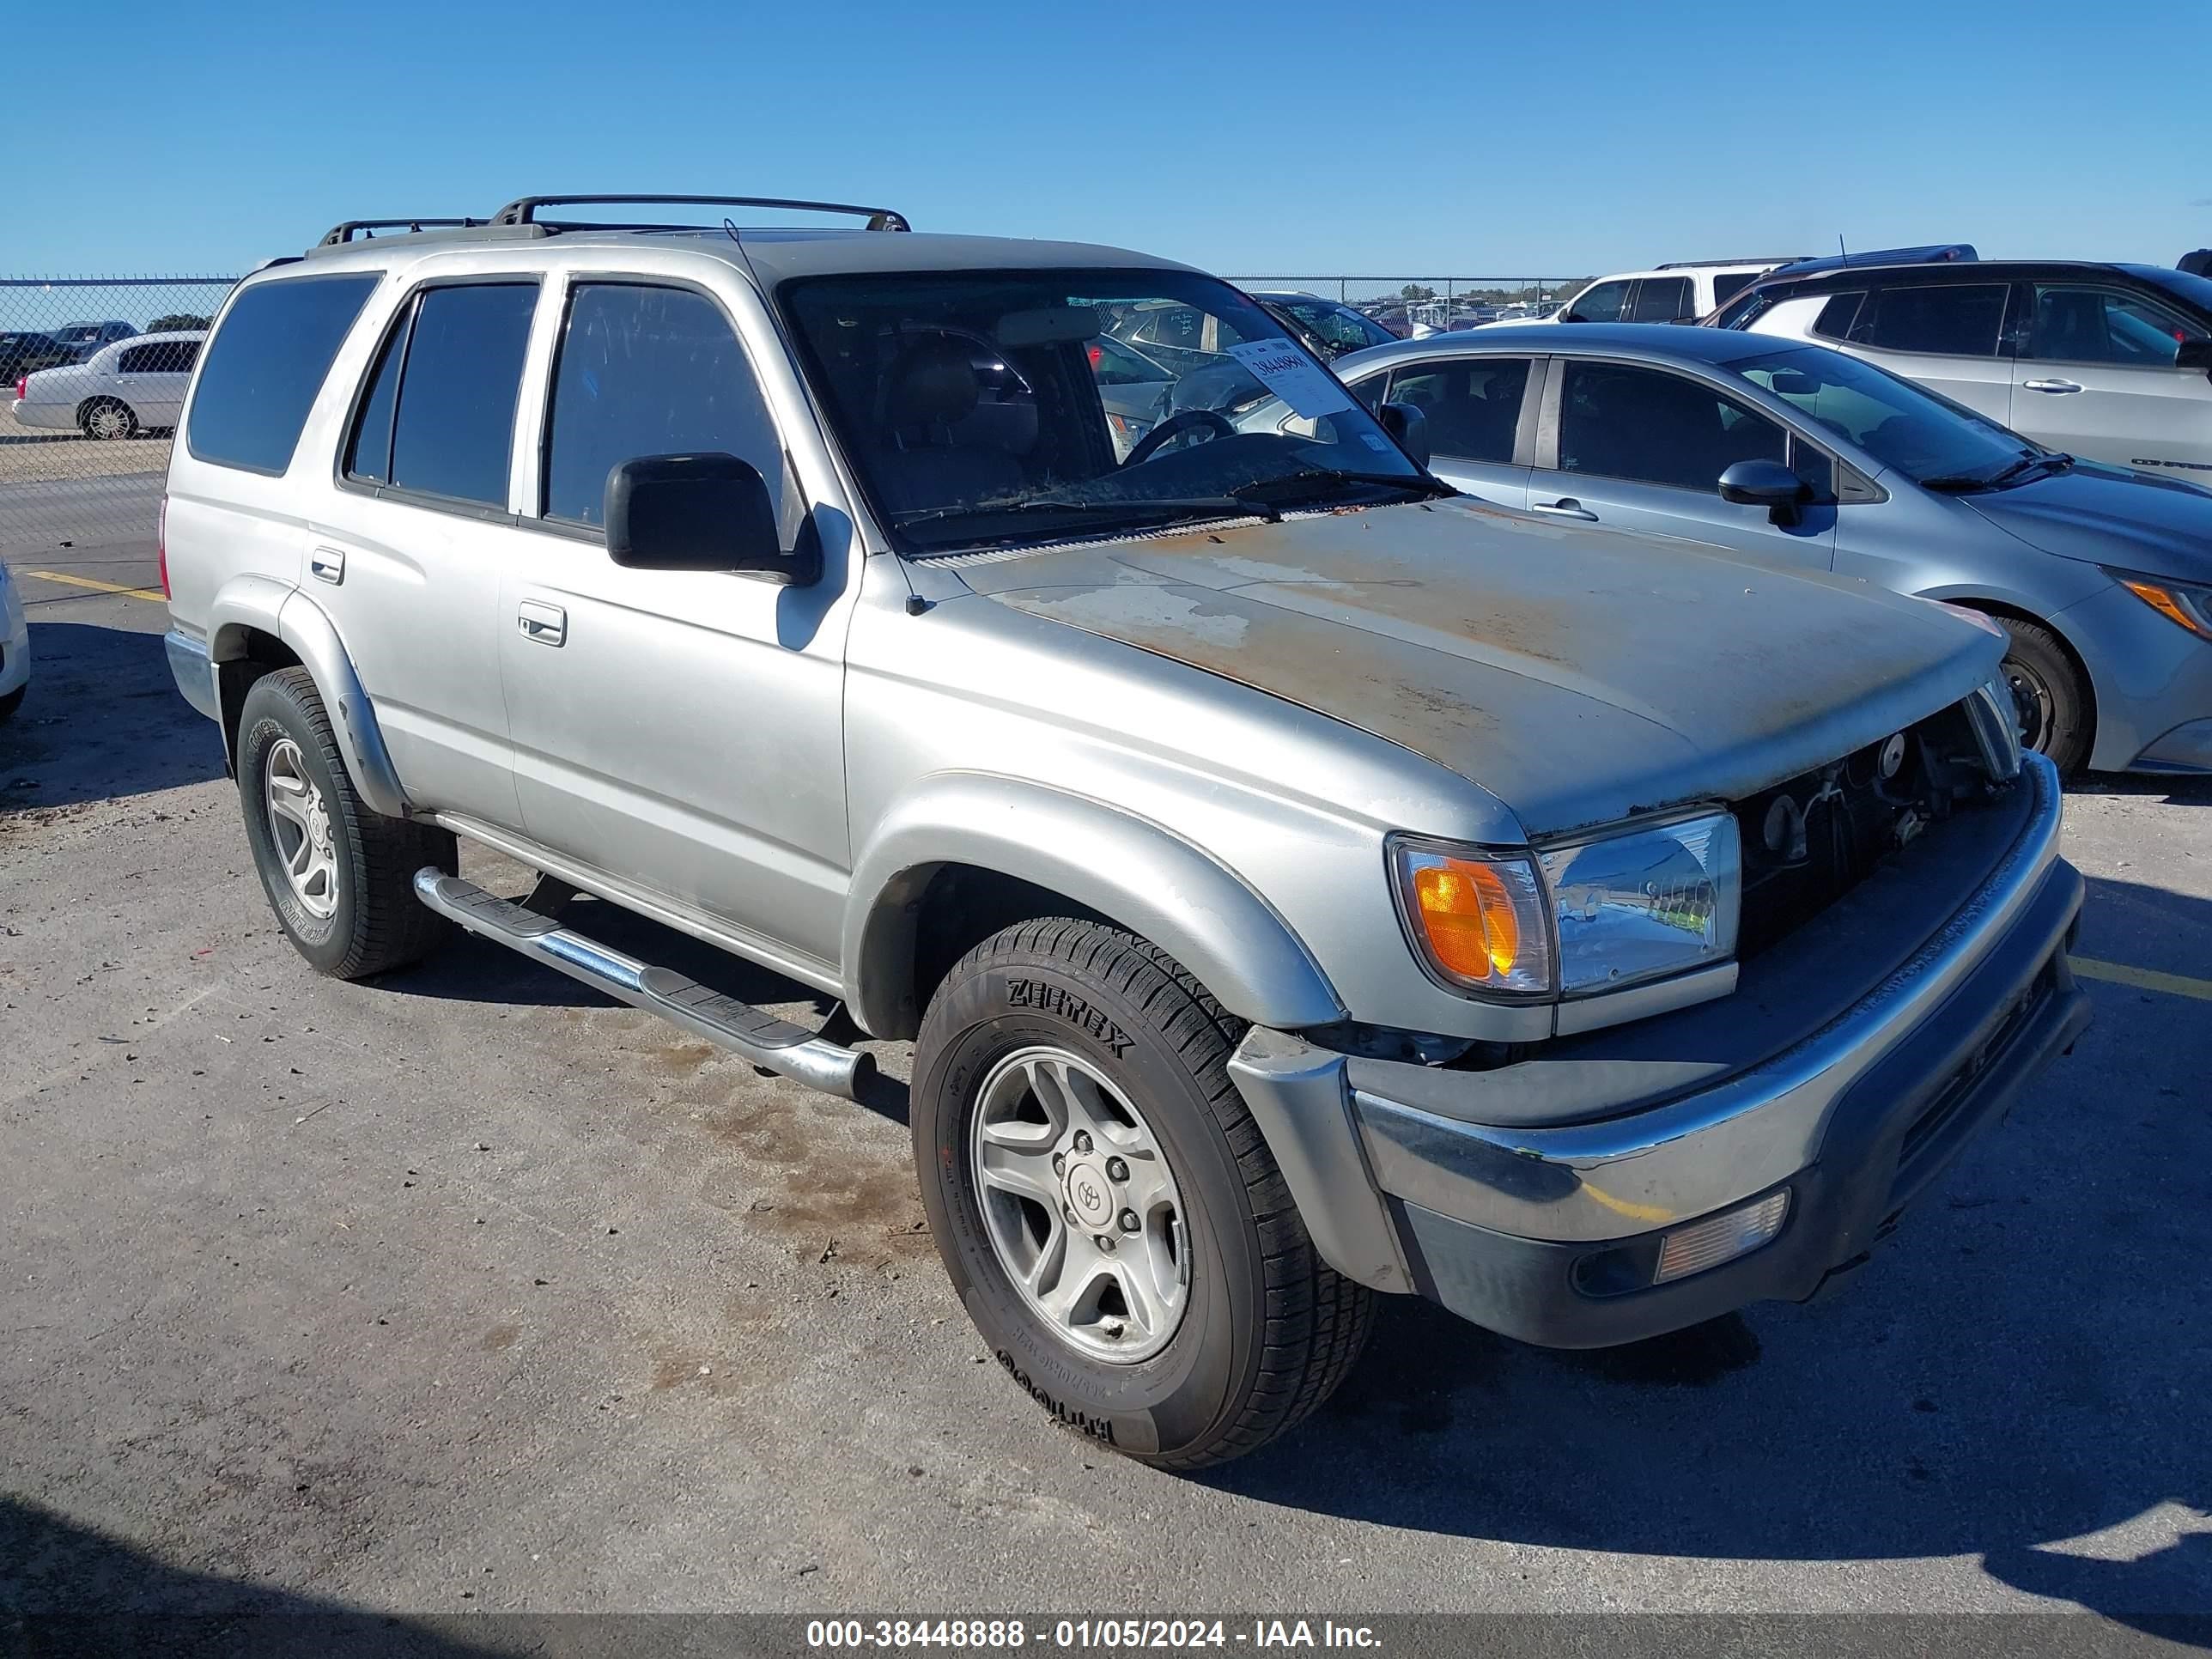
[{"x": 1089, "y": 1192}]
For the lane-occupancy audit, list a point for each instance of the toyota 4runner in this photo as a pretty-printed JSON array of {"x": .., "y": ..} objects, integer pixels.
[{"x": 1298, "y": 882}]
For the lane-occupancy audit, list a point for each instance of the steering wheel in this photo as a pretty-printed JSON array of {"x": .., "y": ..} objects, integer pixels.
[{"x": 1174, "y": 426}]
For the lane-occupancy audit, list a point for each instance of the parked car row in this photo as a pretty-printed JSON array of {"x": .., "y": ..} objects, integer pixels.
[
  {"x": 135, "y": 385},
  {"x": 1300, "y": 879}
]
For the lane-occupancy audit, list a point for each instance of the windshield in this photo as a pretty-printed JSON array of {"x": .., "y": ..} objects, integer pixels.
[
  {"x": 1899, "y": 424},
  {"x": 1339, "y": 327},
  {"x": 987, "y": 407},
  {"x": 2197, "y": 290}
]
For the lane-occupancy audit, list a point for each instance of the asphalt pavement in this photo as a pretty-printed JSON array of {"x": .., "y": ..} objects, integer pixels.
[{"x": 466, "y": 1291}]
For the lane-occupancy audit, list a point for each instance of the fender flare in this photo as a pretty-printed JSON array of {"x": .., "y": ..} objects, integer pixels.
[
  {"x": 247, "y": 604},
  {"x": 1143, "y": 875}
]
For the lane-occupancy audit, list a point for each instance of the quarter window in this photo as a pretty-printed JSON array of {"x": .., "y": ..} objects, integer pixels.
[
  {"x": 265, "y": 365},
  {"x": 1473, "y": 404},
  {"x": 454, "y": 428},
  {"x": 1661, "y": 299},
  {"x": 1953, "y": 319},
  {"x": 1618, "y": 422},
  {"x": 2076, "y": 325},
  {"x": 648, "y": 371},
  {"x": 1836, "y": 318}
]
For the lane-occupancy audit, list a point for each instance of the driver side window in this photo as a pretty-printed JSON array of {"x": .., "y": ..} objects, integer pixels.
[
  {"x": 1601, "y": 304},
  {"x": 1644, "y": 424}
]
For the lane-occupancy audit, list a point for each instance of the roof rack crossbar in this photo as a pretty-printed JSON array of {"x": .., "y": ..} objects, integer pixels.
[
  {"x": 524, "y": 209},
  {"x": 337, "y": 235}
]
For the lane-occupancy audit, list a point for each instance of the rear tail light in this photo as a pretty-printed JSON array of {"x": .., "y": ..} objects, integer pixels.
[
  {"x": 161, "y": 542},
  {"x": 23, "y": 388}
]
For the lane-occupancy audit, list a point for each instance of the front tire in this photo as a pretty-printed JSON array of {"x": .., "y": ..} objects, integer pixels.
[
  {"x": 1107, "y": 1210},
  {"x": 11, "y": 702},
  {"x": 106, "y": 420},
  {"x": 2049, "y": 692},
  {"x": 340, "y": 876}
]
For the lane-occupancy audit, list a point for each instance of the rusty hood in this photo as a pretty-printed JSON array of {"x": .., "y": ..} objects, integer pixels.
[{"x": 1578, "y": 675}]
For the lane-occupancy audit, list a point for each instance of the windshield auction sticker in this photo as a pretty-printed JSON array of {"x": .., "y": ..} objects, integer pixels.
[{"x": 1292, "y": 376}]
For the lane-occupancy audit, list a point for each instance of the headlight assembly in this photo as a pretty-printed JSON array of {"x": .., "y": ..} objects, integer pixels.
[
  {"x": 1644, "y": 904},
  {"x": 1575, "y": 918},
  {"x": 2178, "y": 602}
]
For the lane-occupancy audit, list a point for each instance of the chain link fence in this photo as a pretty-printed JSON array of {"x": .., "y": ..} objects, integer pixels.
[
  {"x": 92, "y": 372},
  {"x": 1440, "y": 302}
]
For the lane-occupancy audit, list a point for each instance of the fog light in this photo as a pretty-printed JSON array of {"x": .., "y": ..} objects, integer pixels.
[{"x": 1722, "y": 1238}]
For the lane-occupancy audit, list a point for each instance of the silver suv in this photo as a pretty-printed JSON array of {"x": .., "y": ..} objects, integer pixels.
[{"x": 1298, "y": 881}]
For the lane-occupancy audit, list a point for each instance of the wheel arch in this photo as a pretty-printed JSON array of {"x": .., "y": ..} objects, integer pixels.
[
  {"x": 2004, "y": 609},
  {"x": 256, "y": 624},
  {"x": 973, "y": 853}
]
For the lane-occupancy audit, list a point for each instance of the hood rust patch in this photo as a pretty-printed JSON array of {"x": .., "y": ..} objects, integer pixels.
[{"x": 1572, "y": 673}]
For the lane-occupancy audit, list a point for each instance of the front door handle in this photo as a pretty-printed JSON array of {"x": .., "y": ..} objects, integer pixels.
[
  {"x": 1565, "y": 507},
  {"x": 327, "y": 564},
  {"x": 548, "y": 624},
  {"x": 2051, "y": 385}
]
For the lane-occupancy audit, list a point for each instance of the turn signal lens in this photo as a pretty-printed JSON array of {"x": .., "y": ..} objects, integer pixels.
[
  {"x": 1468, "y": 917},
  {"x": 1479, "y": 920}
]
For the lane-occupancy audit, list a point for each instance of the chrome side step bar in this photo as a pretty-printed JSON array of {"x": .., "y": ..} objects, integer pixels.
[{"x": 792, "y": 1050}]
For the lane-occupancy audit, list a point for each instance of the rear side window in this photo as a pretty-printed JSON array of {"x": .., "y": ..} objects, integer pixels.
[
  {"x": 454, "y": 427},
  {"x": 1729, "y": 284},
  {"x": 1473, "y": 404},
  {"x": 1661, "y": 299},
  {"x": 266, "y": 366},
  {"x": 163, "y": 357},
  {"x": 648, "y": 371},
  {"x": 1956, "y": 319}
]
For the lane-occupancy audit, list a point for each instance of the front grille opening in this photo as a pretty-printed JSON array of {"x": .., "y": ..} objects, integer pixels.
[{"x": 1809, "y": 842}]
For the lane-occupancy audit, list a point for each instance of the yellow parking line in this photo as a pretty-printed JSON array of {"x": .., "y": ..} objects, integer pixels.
[
  {"x": 98, "y": 587},
  {"x": 2144, "y": 979}
]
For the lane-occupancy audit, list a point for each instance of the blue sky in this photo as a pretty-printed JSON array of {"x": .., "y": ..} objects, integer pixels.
[{"x": 1286, "y": 139}]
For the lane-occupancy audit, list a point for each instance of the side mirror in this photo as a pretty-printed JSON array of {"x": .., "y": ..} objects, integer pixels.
[
  {"x": 696, "y": 512},
  {"x": 1768, "y": 484},
  {"x": 2194, "y": 354},
  {"x": 1409, "y": 424}
]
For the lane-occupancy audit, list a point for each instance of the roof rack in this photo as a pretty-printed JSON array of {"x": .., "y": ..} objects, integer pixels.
[
  {"x": 524, "y": 210},
  {"x": 1935, "y": 253},
  {"x": 338, "y": 235},
  {"x": 1755, "y": 259}
]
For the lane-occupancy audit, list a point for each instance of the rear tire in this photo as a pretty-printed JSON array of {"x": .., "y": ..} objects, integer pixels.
[
  {"x": 1262, "y": 1330},
  {"x": 2050, "y": 694},
  {"x": 106, "y": 420},
  {"x": 10, "y": 703},
  {"x": 340, "y": 876}
]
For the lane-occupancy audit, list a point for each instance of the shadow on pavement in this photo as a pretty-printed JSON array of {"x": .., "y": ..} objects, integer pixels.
[
  {"x": 65, "y": 1589},
  {"x": 103, "y": 720}
]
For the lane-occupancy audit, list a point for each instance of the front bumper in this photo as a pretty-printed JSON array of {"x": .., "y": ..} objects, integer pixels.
[{"x": 1852, "y": 1064}]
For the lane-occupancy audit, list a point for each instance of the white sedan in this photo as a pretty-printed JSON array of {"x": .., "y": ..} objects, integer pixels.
[
  {"x": 131, "y": 387},
  {"x": 15, "y": 646}
]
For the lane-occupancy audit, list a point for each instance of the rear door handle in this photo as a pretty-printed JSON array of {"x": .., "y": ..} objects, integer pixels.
[
  {"x": 1565, "y": 507},
  {"x": 548, "y": 624},
  {"x": 327, "y": 564},
  {"x": 2051, "y": 385}
]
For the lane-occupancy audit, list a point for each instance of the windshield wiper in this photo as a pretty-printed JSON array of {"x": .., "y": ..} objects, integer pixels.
[
  {"x": 1230, "y": 505},
  {"x": 1969, "y": 483},
  {"x": 1419, "y": 482}
]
